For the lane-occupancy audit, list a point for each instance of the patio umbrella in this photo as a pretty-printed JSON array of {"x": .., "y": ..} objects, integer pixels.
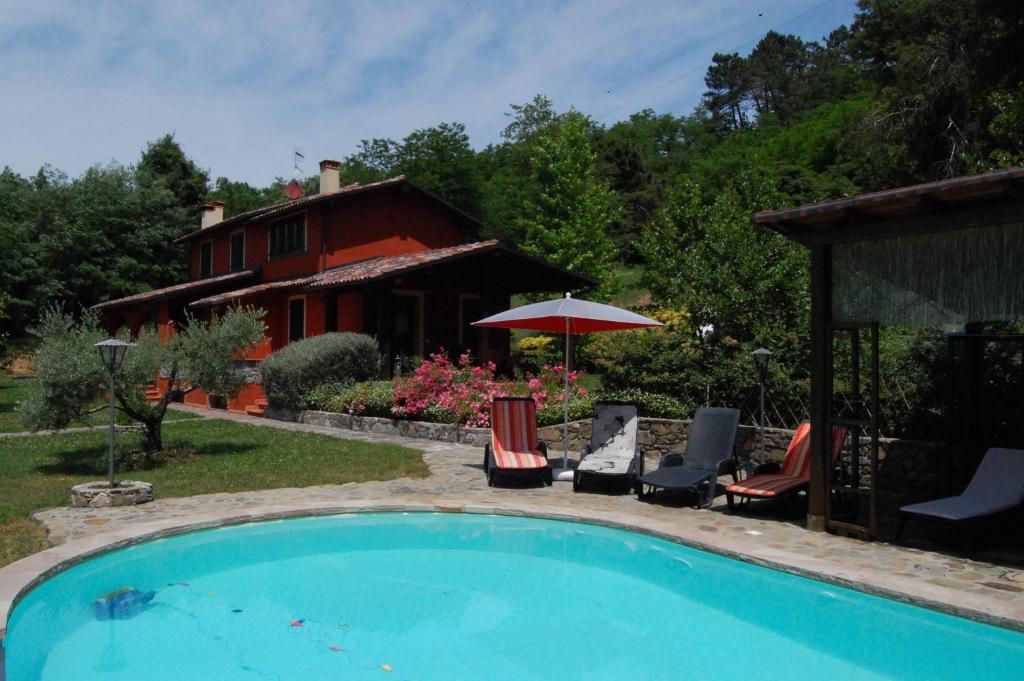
[{"x": 571, "y": 317}]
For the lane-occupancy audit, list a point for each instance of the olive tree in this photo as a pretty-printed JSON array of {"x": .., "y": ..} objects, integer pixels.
[{"x": 72, "y": 378}]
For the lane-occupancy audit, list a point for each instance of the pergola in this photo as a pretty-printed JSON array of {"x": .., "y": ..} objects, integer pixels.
[{"x": 942, "y": 254}]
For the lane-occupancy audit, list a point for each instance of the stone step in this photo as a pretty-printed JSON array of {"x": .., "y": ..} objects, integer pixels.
[{"x": 255, "y": 410}]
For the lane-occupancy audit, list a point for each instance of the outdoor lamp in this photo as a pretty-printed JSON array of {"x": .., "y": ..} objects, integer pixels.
[
  {"x": 112, "y": 352},
  {"x": 761, "y": 357}
]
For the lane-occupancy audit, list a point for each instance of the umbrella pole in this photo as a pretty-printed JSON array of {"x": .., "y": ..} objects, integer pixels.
[
  {"x": 564, "y": 472},
  {"x": 565, "y": 400}
]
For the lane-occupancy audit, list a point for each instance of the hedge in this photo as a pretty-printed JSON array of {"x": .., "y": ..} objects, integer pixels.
[{"x": 296, "y": 369}]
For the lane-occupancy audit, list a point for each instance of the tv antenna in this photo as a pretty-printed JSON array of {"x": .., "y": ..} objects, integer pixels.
[{"x": 294, "y": 190}]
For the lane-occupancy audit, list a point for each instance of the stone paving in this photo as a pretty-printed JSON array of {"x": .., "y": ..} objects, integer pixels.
[{"x": 456, "y": 484}]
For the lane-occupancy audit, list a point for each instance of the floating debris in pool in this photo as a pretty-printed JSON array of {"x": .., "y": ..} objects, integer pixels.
[
  {"x": 237, "y": 610},
  {"x": 386, "y": 668},
  {"x": 121, "y": 604},
  {"x": 298, "y": 623},
  {"x": 184, "y": 584},
  {"x": 336, "y": 649},
  {"x": 209, "y": 593}
]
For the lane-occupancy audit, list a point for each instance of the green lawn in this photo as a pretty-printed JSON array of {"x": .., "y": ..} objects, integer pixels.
[
  {"x": 15, "y": 390},
  {"x": 203, "y": 456}
]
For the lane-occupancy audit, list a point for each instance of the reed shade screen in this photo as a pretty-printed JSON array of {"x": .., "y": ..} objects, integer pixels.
[{"x": 945, "y": 279}]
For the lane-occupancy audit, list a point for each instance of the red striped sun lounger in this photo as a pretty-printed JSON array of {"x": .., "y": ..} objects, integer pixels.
[
  {"x": 514, "y": 445},
  {"x": 795, "y": 473}
]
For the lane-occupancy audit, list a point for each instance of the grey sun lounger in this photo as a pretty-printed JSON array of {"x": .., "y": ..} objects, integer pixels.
[
  {"x": 614, "y": 452},
  {"x": 997, "y": 486},
  {"x": 709, "y": 453}
]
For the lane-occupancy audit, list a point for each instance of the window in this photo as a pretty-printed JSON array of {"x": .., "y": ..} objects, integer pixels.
[
  {"x": 288, "y": 236},
  {"x": 206, "y": 259},
  {"x": 296, "y": 319},
  {"x": 237, "y": 251}
]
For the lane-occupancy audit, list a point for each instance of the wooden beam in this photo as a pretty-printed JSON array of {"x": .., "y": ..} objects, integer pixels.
[
  {"x": 949, "y": 218},
  {"x": 821, "y": 386}
]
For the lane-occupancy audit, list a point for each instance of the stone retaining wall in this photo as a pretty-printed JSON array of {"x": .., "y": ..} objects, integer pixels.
[{"x": 914, "y": 469}]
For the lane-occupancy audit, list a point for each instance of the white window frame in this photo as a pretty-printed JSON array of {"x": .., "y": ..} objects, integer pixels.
[{"x": 305, "y": 318}]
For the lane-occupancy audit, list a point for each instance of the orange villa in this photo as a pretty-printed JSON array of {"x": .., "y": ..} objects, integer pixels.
[{"x": 389, "y": 259}]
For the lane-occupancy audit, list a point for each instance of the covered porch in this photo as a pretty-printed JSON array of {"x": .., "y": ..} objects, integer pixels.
[
  {"x": 947, "y": 256},
  {"x": 414, "y": 304}
]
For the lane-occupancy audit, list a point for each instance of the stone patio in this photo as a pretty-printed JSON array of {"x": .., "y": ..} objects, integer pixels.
[{"x": 973, "y": 588}]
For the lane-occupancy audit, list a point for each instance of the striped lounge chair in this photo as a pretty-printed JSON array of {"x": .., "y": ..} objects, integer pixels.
[
  {"x": 770, "y": 481},
  {"x": 514, "y": 450}
]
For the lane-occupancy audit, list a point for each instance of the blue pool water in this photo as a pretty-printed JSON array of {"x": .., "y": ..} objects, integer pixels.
[{"x": 466, "y": 597}]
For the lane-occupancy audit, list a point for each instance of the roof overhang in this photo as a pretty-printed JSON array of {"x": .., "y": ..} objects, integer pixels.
[
  {"x": 187, "y": 288},
  {"x": 994, "y": 198},
  {"x": 519, "y": 272}
]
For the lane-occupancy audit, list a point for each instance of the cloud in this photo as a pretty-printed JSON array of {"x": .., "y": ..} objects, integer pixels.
[{"x": 241, "y": 84}]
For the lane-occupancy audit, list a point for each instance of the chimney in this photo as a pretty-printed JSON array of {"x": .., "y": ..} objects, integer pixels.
[
  {"x": 213, "y": 212},
  {"x": 330, "y": 177}
]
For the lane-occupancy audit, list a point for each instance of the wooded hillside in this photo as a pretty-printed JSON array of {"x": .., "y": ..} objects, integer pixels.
[{"x": 912, "y": 90}]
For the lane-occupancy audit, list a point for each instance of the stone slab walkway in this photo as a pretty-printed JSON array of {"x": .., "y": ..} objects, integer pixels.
[{"x": 456, "y": 483}]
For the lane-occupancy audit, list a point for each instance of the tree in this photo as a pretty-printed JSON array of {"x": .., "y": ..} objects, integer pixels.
[
  {"x": 567, "y": 219},
  {"x": 240, "y": 197},
  {"x": 529, "y": 119},
  {"x": 638, "y": 158},
  {"x": 72, "y": 377},
  {"x": 164, "y": 163},
  {"x": 935, "y": 65},
  {"x": 746, "y": 283},
  {"x": 438, "y": 158},
  {"x": 441, "y": 161}
]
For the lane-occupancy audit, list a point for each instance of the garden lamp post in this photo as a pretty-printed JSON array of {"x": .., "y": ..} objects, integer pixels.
[
  {"x": 112, "y": 352},
  {"x": 761, "y": 357}
]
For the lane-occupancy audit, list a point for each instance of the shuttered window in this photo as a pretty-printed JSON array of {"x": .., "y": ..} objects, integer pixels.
[
  {"x": 288, "y": 236},
  {"x": 237, "y": 251},
  {"x": 206, "y": 259}
]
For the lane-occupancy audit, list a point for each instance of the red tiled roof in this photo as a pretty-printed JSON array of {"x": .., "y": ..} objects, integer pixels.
[
  {"x": 229, "y": 296},
  {"x": 361, "y": 271},
  {"x": 177, "y": 289},
  {"x": 376, "y": 268}
]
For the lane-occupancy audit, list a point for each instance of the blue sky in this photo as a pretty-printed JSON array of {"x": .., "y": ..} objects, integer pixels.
[{"x": 241, "y": 84}]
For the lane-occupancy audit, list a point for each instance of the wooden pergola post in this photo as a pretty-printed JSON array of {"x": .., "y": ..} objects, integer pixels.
[{"x": 821, "y": 386}]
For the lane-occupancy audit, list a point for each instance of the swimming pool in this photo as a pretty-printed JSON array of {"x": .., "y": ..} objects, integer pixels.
[{"x": 458, "y": 596}]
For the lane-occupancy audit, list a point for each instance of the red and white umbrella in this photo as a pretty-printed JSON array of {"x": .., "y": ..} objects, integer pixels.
[{"x": 571, "y": 317}]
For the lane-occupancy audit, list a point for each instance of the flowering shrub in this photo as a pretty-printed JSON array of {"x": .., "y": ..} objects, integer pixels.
[{"x": 462, "y": 392}]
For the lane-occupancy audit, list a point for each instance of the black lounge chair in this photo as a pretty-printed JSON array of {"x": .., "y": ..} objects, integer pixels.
[
  {"x": 997, "y": 487},
  {"x": 709, "y": 453}
]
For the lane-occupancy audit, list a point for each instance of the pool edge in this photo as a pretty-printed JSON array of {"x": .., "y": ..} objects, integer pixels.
[{"x": 21, "y": 577}]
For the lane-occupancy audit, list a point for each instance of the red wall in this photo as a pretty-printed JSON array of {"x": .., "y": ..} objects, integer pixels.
[{"x": 384, "y": 222}]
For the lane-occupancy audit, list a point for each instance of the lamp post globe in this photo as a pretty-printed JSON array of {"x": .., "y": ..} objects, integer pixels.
[
  {"x": 761, "y": 357},
  {"x": 112, "y": 352}
]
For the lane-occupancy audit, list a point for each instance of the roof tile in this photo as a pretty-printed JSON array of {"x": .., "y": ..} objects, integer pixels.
[{"x": 172, "y": 291}]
